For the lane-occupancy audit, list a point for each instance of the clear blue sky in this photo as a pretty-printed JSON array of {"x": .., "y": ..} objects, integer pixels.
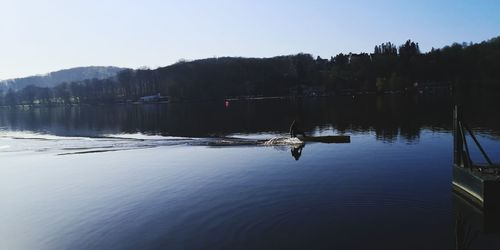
[{"x": 38, "y": 36}]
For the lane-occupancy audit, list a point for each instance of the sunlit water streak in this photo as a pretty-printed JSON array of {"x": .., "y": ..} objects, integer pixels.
[{"x": 20, "y": 141}]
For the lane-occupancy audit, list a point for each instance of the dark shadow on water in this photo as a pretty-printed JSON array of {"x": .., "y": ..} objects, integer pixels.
[
  {"x": 92, "y": 151},
  {"x": 475, "y": 227},
  {"x": 464, "y": 233},
  {"x": 297, "y": 151}
]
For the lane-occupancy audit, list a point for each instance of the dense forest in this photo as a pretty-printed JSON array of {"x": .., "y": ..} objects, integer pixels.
[{"x": 459, "y": 69}]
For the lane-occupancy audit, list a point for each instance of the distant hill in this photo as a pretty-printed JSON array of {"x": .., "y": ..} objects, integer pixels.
[
  {"x": 461, "y": 70},
  {"x": 66, "y": 75}
]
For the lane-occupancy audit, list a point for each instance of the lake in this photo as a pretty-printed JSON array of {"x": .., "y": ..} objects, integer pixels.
[{"x": 195, "y": 176}]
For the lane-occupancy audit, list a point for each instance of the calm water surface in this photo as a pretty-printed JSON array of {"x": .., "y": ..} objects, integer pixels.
[{"x": 195, "y": 176}]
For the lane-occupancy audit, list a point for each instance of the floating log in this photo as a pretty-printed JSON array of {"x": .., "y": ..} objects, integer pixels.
[{"x": 327, "y": 139}]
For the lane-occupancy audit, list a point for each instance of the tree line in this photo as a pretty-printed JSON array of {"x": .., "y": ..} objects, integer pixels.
[{"x": 462, "y": 69}]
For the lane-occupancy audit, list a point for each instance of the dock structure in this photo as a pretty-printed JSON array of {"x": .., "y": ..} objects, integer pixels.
[{"x": 477, "y": 182}]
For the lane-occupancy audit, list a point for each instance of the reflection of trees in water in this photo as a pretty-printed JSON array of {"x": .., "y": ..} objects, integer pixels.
[
  {"x": 464, "y": 233},
  {"x": 389, "y": 117}
]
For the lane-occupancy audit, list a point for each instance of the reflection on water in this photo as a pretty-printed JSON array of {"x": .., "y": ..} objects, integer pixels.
[
  {"x": 386, "y": 120},
  {"x": 465, "y": 234},
  {"x": 297, "y": 151},
  {"x": 389, "y": 118},
  {"x": 475, "y": 227}
]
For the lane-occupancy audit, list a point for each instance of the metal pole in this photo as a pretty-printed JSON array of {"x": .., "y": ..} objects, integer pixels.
[
  {"x": 479, "y": 145},
  {"x": 457, "y": 138},
  {"x": 464, "y": 141}
]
